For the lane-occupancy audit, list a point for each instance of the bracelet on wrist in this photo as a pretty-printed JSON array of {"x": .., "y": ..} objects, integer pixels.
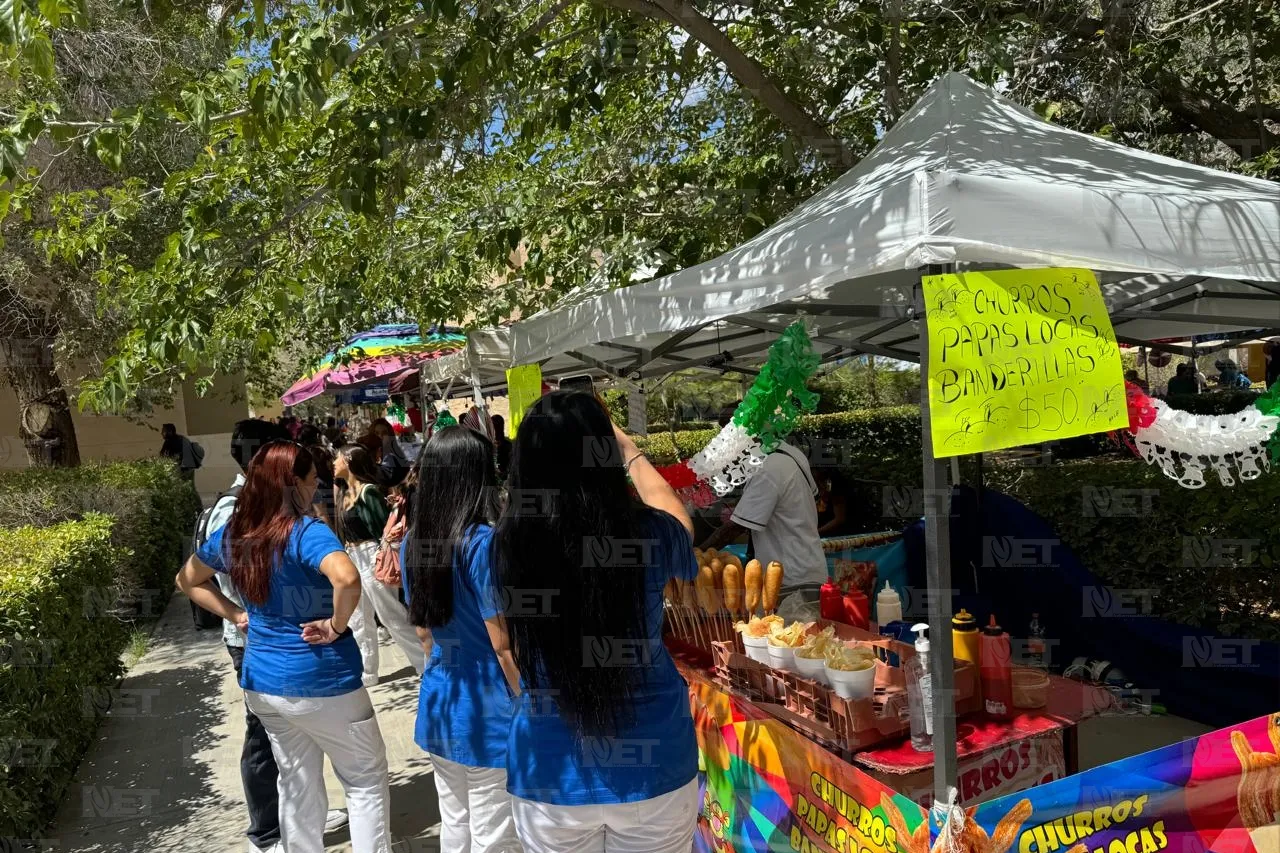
[{"x": 626, "y": 466}]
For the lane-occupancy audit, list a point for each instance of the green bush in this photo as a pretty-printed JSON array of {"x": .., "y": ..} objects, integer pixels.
[
  {"x": 1213, "y": 402},
  {"x": 154, "y": 510},
  {"x": 58, "y": 659},
  {"x": 1208, "y": 554}
]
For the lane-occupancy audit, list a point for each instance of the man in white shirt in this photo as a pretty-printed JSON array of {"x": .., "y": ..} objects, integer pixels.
[{"x": 778, "y": 508}]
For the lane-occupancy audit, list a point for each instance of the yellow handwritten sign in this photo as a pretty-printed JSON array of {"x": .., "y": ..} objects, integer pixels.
[
  {"x": 1018, "y": 357},
  {"x": 524, "y": 387}
]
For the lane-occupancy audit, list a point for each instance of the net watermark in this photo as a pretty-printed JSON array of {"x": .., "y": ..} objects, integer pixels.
[
  {"x": 118, "y": 701},
  {"x": 1217, "y": 652},
  {"x": 1206, "y": 552},
  {"x": 1110, "y": 502},
  {"x": 103, "y": 801},
  {"x": 619, "y": 752},
  {"x": 1106, "y": 601},
  {"x": 1012, "y": 552},
  {"x": 606, "y": 652}
]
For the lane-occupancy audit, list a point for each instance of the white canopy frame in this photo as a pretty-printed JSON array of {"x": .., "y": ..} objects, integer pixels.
[{"x": 966, "y": 180}]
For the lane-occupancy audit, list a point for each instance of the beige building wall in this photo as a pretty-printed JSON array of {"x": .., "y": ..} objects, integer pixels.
[{"x": 208, "y": 420}]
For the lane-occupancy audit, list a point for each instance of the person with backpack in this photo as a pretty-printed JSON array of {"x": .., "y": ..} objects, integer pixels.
[
  {"x": 188, "y": 454},
  {"x": 301, "y": 672},
  {"x": 258, "y": 770}
]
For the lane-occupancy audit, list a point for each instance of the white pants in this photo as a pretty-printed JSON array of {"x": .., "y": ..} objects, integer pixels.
[
  {"x": 377, "y": 597},
  {"x": 663, "y": 824},
  {"x": 475, "y": 809},
  {"x": 302, "y": 732}
]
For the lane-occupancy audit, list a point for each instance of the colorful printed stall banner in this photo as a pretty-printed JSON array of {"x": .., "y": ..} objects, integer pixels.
[
  {"x": 767, "y": 789},
  {"x": 524, "y": 387},
  {"x": 1219, "y": 792},
  {"x": 1022, "y": 765},
  {"x": 1018, "y": 357}
]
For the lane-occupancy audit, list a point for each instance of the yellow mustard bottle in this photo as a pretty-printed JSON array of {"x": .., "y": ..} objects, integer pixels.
[{"x": 966, "y": 642}]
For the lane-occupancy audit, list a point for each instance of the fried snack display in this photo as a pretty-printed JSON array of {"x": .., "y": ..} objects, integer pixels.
[
  {"x": 791, "y": 637},
  {"x": 1258, "y": 793},
  {"x": 772, "y": 586},
  {"x": 730, "y": 560},
  {"x": 688, "y": 594},
  {"x": 705, "y": 586},
  {"x": 849, "y": 658},
  {"x": 815, "y": 645},
  {"x": 758, "y": 627},
  {"x": 753, "y": 576},
  {"x": 732, "y": 579}
]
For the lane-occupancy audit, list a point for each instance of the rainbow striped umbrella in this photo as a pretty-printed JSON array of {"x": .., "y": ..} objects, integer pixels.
[{"x": 382, "y": 351}]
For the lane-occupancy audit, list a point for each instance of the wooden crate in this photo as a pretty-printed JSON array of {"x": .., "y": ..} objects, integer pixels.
[{"x": 848, "y": 725}]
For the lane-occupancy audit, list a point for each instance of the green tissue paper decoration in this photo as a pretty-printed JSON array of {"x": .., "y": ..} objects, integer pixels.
[{"x": 776, "y": 400}]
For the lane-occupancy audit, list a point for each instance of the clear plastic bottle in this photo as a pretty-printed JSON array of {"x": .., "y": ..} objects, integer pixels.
[{"x": 920, "y": 693}]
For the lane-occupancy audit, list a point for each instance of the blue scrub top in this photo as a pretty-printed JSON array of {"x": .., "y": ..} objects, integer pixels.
[
  {"x": 464, "y": 704},
  {"x": 656, "y": 755},
  {"x": 277, "y": 660}
]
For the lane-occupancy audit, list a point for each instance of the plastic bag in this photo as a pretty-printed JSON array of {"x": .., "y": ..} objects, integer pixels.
[{"x": 801, "y": 606}]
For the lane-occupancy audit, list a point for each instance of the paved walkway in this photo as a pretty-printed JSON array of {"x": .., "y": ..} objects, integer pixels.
[{"x": 164, "y": 774}]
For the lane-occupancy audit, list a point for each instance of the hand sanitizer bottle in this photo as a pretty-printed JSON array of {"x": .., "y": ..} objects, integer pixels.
[{"x": 920, "y": 693}]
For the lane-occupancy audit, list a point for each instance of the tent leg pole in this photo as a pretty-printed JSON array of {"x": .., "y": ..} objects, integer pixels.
[{"x": 937, "y": 545}]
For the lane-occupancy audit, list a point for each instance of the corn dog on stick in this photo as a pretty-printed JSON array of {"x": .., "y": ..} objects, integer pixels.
[
  {"x": 772, "y": 586},
  {"x": 753, "y": 576}
]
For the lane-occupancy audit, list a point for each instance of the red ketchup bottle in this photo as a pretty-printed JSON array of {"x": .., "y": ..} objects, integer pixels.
[
  {"x": 831, "y": 603},
  {"x": 997, "y": 677},
  {"x": 857, "y": 608}
]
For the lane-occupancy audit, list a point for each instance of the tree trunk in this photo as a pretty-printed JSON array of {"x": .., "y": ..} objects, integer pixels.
[{"x": 44, "y": 414}]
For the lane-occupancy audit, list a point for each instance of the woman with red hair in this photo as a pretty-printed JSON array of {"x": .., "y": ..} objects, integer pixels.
[{"x": 301, "y": 672}]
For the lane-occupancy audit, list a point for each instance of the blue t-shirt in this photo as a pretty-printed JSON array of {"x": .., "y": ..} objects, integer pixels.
[
  {"x": 464, "y": 704},
  {"x": 277, "y": 660},
  {"x": 656, "y": 755}
]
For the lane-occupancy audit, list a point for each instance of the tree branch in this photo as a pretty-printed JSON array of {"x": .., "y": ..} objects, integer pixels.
[{"x": 746, "y": 71}]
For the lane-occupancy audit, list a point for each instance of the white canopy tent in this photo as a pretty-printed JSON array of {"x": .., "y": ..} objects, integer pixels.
[
  {"x": 970, "y": 179},
  {"x": 965, "y": 180}
]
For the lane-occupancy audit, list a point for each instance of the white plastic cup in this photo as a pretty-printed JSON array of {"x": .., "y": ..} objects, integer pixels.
[
  {"x": 852, "y": 684},
  {"x": 757, "y": 648},
  {"x": 782, "y": 657},
  {"x": 812, "y": 668}
]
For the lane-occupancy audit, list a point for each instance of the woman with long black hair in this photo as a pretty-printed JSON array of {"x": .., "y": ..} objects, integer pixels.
[
  {"x": 301, "y": 671},
  {"x": 601, "y": 755},
  {"x": 464, "y": 707},
  {"x": 361, "y": 511}
]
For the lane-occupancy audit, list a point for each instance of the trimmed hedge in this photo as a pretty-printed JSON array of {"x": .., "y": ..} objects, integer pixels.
[
  {"x": 1207, "y": 555},
  {"x": 888, "y": 433},
  {"x": 1213, "y": 402},
  {"x": 154, "y": 509},
  {"x": 58, "y": 660}
]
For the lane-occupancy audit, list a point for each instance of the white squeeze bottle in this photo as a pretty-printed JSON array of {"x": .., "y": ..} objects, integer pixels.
[
  {"x": 920, "y": 693},
  {"x": 888, "y": 605}
]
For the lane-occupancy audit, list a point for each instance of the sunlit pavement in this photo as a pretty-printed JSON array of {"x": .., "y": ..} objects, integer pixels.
[{"x": 164, "y": 773}]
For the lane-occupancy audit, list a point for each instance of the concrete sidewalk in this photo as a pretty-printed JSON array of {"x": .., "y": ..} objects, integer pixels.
[{"x": 164, "y": 773}]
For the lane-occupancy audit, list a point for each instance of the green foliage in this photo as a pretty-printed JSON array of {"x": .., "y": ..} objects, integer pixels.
[
  {"x": 1125, "y": 521},
  {"x": 1213, "y": 402},
  {"x": 153, "y": 508},
  {"x": 867, "y": 383},
  {"x": 887, "y": 434},
  {"x": 342, "y": 155},
  {"x": 1206, "y": 554},
  {"x": 59, "y": 658}
]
